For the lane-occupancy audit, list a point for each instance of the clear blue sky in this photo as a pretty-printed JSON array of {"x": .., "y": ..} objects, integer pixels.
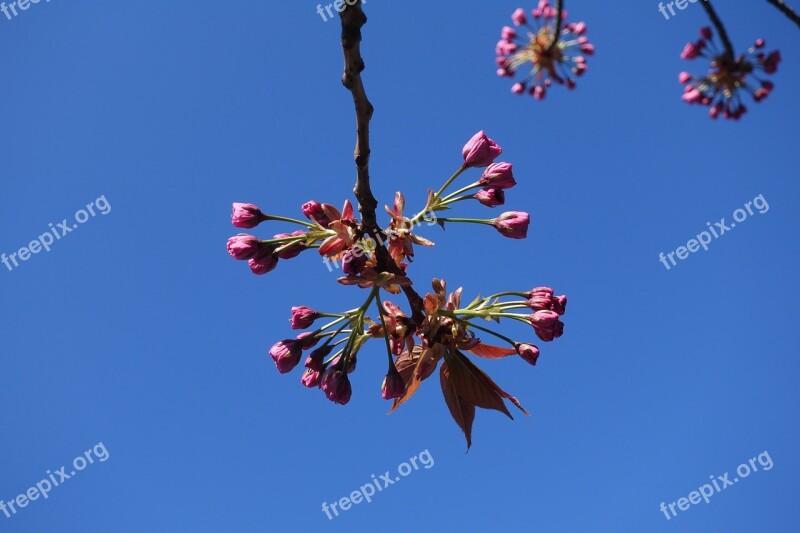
[{"x": 137, "y": 330}]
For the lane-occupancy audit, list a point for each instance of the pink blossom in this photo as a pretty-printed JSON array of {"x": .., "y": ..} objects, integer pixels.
[
  {"x": 243, "y": 246},
  {"x": 491, "y": 197},
  {"x": 246, "y": 215},
  {"x": 513, "y": 224},
  {"x": 336, "y": 386},
  {"x": 480, "y": 150},
  {"x": 528, "y": 352},
  {"x": 393, "y": 385},
  {"x": 519, "y": 17},
  {"x": 286, "y": 355},
  {"x": 303, "y": 317},
  {"x": 498, "y": 175}
]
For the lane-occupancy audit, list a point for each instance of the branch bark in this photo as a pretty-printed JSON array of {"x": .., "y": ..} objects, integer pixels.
[
  {"x": 723, "y": 33},
  {"x": 353, "y": 19},
  {"x": 786, "y": 10},
  {"x": 559, "y": 22}
]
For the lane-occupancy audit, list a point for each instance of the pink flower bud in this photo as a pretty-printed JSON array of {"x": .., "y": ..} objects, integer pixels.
[
  {"x": 317, "y": 212},
  {"x": 498, "y": 175},
  {"x": 491, "y": 197},
  {"x": 308, "y": 340},
  {"x": 560, "y": 304},
  {"x": 518, "y": 88},
  {"x": 690, "y": 51},
  {"x": 316, "y": 359},
  {"x": 684, "y": 78},
  {"x": 311, "y": 378},
  {"x": 264, "y": 261},
  {"x": 336, "y": 386},
  {"x": 579, "y": 28},
  {"x": 513, "y": 224},
  {"x": 546, "y": 325},
  {"x": 242, "y": 246},
  {"x": 529, "y": 352},
  {"x": 303, "y": 317},
  {"x": 480, "y": 151},
  {"x": 519, "y": 17},
  {"x": 509, "y": 33},
  {"x": 393, "y": 385},
  {"x": 587, "y": 49},
  {"x": 706, "y": 33},
  {"x": 246, "y": 215},
  {"x": 760, "y": 43},
  {"x": 286, "y": 355},
  {"x": 771, "y": 63}
]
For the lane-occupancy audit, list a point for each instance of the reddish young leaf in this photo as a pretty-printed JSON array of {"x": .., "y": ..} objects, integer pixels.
[
  {"x": 463, "y": 413},
  {"x": 415, "y": 367},
  {"x": 476, "y": 387},
  {"x": 489, "y": 383},
  {"x": 471, "y": 387},
  {"x": 487, "y": 351}
]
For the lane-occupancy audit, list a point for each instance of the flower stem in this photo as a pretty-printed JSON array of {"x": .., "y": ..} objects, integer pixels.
[
  {"x": 287, "y": 219},
  {"x": 487, "y": 330},
  {"x": 385, "y": 332},
  {"x": 469, "y": 220},
  {"x": 450, "y": 180}
]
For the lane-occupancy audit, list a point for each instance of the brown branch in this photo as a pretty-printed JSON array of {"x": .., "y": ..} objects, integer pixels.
[
  {"x": 786, "y": 10},
  {"x": 723, "y": 34},
  {"x": 353, "y": 19},
  {"x": 559, "y": 16}
]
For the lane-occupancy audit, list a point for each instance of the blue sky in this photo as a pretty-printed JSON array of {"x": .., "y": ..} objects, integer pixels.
[{"x": 138, "y": 331}]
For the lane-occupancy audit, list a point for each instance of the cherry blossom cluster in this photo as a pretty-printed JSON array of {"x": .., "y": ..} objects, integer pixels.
[
  {"x": 555, "y": 51},
  {"x": 721, "y": 89},
  {"x": 440, "y": 330}
]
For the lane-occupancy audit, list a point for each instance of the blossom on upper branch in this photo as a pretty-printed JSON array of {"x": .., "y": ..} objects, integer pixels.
[
  {"x": 728, "y": 78},
  {"x": 531, "y": 43}
]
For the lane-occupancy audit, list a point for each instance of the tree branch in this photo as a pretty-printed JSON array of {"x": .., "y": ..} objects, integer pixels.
[
  {"x": 559, "y": 16},
  {"x": 723, "y": 34},
  {"x": 786, "y": 10},
  {"x": 353, "y": 19}
]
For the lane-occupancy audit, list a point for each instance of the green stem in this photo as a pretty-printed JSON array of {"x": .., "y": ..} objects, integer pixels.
[
  {"x": 287, "y": 219},
  {"x": 462, "y": 190},
  {"x": 487, "y": 330},
  {"x": 385, "y": 332},
  {"x": 450, "y": 180},
  {"x": 468, "y": 220}
]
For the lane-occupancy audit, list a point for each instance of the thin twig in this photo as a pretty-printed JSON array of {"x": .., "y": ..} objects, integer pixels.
[
  {"x": 557, "y": 34},
  {"x": 353, "y": 19},
  {"x": 723, "y": 34},
  {"x": 786, "y": 10}
]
